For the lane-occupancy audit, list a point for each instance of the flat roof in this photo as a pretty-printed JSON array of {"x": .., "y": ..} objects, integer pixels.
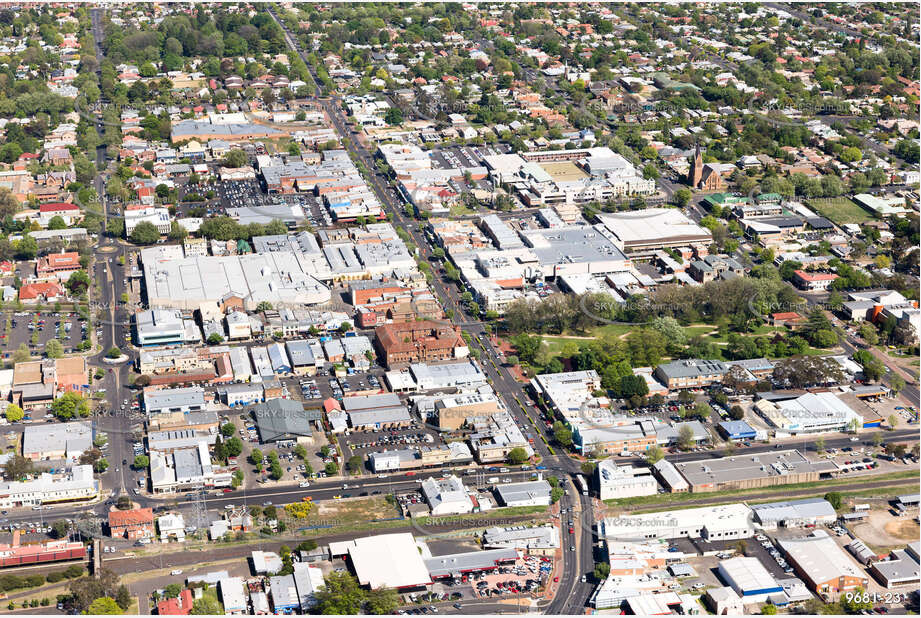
[
  {"x": 72, "y": 438},
  {"x": 529, "y": 490},
  {"x": 746, "y": 467},
  {"x": 807, "y": 508},
  {"x": 642, "y": 227},
  {"x": 443, "y": 566}
]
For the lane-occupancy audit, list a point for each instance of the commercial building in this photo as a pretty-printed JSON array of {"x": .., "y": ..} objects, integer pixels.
[
  {"x": 668, "y": 475},
  {"x": 235, "y": 395},
  {"x": 385, "y": 561},
  {"x": 57, "y": 265},
  {"x": 74, "y": 485},
  {"x": 132, "y": 524},
  {"x": 625, "y": 481},
  {"x": 284, "y": 594},
  {"x": 168, "y": 400},
  {"x": 446, "y": 496},
  {"x": 528, "y": 493},
  {"x": 538, "y": 540},
  {"x": 160, "y": 327},
  {"x": 423, "y": 341},
  {"x": 791, "y": 513},
  {"x": 812, "y": 281},
  {"x": 493, "y": 437},
  {"x": 712, "y": 523},
  {"x": 285, "y": 419},
  {"x": 57, "y": 440},
  {"x": 463, "y": 374},
  {"x": 691, "y": 373},
  {"x": 750, "y": 580},
  {"x": 750, "y": 471},
  {"x": 737, "y": 430},
  {"x": 547, "y": 178},
  {"x": 566, "y": 392},
  {"x": 233, "y": 595},
  {"x": 373, "y": 412},
  {"x": 308, "y": 580},
  {"x": 823, "y": 564},
  {"x": 279, "y": 277},
  {"x": 654, "y": 228},
  {"x": 458, "y": 565},
  {"x": 186, "y": 469},
  {"x": 158, "y": 217},
  {"x": 808, "y": 413},
  {"x": 901, "y": 567}
]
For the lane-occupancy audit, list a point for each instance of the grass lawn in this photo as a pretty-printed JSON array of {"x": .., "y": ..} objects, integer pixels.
[
  {"x": 460, "y": 209},
  {"x": 840, "y": 210}
]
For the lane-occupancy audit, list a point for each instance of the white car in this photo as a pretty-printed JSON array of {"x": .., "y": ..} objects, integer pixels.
[
  {"x": 176, "y": 572},
  {"x": 305, "y": 484}
]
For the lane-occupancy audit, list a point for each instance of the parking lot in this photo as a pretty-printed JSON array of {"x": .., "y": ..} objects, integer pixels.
[
  {"x": 36, "y": 328},
  {"x": 525, "y": 576}
]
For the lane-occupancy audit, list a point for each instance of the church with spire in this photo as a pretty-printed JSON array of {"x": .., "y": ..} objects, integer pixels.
[{"x": 701, "y": 176}]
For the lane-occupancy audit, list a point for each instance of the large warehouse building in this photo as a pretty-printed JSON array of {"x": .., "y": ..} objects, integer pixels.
[
  {"x": 385, "y": 561},
  {"x": 751, "y": 471},
  {"x": 823, "y": 564}
]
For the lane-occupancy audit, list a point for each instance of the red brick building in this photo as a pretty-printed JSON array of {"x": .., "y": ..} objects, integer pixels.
[
  {"x": 133, "y": 524},
  {"x": 423, "y": 341},
  {"x": 179, "y": 606}
]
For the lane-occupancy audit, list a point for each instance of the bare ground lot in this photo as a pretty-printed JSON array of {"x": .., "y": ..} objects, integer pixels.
[{"x": 883, "y": 531}]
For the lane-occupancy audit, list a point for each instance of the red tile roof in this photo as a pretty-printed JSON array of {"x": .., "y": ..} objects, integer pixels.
[{"x": 134, "y": 517}]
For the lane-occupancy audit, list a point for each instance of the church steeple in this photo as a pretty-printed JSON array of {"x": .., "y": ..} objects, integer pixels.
[{"x": 696, "y": 172}]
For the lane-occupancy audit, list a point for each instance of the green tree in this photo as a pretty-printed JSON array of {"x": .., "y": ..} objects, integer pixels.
[
  {"x": 834, "y": 499},
  {"x": 517, "y": 456},
  {"x": 562, "y": 434},
  {"x": 57, "y": 223},
  {"x": 228, "y": 429},
  {"x": 355, "y": 464},
  {"x": 14, "y": 413},
  {"x": 78, "y": 282},
  {"x": 235, "y": 158},
  {"x": 70, "y": 405},
  {"x": 140, "y": 462},
  {"x": 300, "y": 451},
  {"x": 21, "y": 354},
  {"x": 682, "y": 197},
  {"x": 234, "y": 446},
  {"x": 145, "y": 233},
  {"x": 601, "y": 572},
  {"x": 59, "y": 529},
  {"x": 17, "y": 468},
  {"x": 104, "y": 605},
  {"x": 54, "y": 349},
  {"x": 341, "y": 594},
  {"x": 331, "y": 469},
  {"x": 115, "y": 227},
  {"x": 769, "y": 609},
  {"x": 654, "y": 455},
  {"x": 382, "y": 600},
  {"x": 857, "y": 603}
]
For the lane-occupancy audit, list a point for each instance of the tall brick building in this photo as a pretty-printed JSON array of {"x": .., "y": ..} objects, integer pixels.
[{"x": 422, "y": 341}]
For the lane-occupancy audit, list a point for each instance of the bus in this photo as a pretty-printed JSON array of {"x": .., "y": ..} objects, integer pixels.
[{"x": 581, "y": 484}]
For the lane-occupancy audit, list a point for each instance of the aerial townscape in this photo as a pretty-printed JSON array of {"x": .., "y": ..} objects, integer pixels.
[{"x": 459, "y": 308}]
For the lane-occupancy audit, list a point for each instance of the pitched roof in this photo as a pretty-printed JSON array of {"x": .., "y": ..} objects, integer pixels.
[{"x": 133, "y": 517}]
